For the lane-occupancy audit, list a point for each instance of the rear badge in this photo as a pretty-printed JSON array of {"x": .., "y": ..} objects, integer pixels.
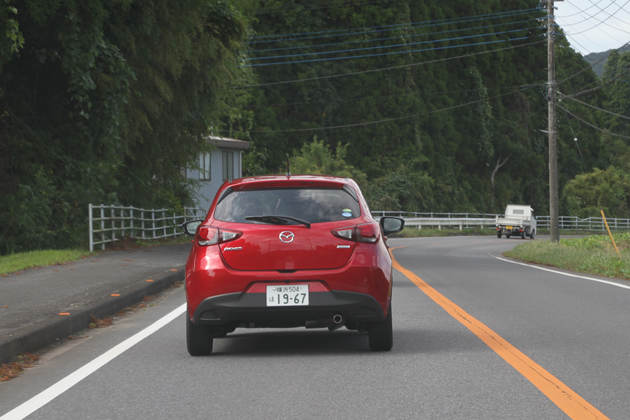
[
  {"x": 233, "y": 248},
  {"x": 287, "y": 236},
  {"x": 343, "y": 246}
]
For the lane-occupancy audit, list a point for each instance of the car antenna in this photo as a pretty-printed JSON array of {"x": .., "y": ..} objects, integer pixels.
[{"x": 288, "y": 169}]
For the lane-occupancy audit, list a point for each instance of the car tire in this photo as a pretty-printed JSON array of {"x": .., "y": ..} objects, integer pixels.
[
  {"x": 523, "y": 235},
  {"x": 199, "y": 338},
  {"x": 507, "y": 236},
  {"x": 381, "y": 333},
  {"x": 531, "y": 236},
  {"x": 499, "y": 234}
]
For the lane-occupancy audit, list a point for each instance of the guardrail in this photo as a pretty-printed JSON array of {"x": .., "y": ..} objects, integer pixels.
[
  {"x": 588, "y": 224},
  {"x": 115, "y": 222},
  {"x": 472, "y": 220},
  {"x": 434, "y": 215},
  {"x": 461, "y": 222}
]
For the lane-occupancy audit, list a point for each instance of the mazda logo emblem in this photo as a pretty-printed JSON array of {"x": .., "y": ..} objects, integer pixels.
[{"x": 286, "y": 236}]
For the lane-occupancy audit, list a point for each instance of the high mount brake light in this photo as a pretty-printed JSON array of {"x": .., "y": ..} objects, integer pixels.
[
  {"x": 210, "y": 235},
  {"x": 367, "y": 233}
]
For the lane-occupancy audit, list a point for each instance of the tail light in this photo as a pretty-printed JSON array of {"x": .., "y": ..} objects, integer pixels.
[
  {"x": 210, "y": 235},
  {"x": 367, "y": 233}
]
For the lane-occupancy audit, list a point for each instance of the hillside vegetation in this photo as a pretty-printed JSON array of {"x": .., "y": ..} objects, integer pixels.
[{"x": 431, "y": 106}]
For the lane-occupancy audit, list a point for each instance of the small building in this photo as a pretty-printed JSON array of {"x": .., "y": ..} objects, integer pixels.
[{"x": 221, "y": 164}]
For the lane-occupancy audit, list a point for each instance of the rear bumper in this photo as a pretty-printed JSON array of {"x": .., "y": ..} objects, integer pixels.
[
  {"x": 367, "y": 273},
  {"x": 514, "y": 230},
  {"x": 251, "y": 310}
]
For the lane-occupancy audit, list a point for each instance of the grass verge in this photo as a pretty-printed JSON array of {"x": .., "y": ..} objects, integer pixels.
[
  {"x": 593, "y": 254},
  {"x": 24, "y": 260}
]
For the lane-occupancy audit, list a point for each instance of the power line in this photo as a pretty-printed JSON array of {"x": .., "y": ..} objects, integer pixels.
[
  {"x": 575, "y": 14},
  {"x": 396, "y": 26},
  {"x": 591, "y": 16},
  {"x": 411, "y": 25},
  {"x": 385, "y": 120},
  {"x": 574, "y": 40},
  {"x": 578, "y": 146},
  {"x": 388, "y": 68},
  {"x": 613, "y": 16},
  {"x": 443, "y": 92},
  {"x": 591, "y": 125},
  {"x": 594, "y": 107},
  {"x": 384, "y": 46},
  {"x": 415, "y": 35},
  {"x": 384, "y": 54},
  {"x": 600, "y": 21},
  {"x": 584, "y": 92},
  {"x": 590, "y": 67}
]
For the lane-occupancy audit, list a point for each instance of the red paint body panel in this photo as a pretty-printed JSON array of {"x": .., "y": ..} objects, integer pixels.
[
  {"x": 312, "y": 258},
  {"x": 311, "y": 249}
]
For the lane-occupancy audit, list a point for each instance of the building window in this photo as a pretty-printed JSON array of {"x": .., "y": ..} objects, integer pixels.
[
  {"x": 228, "y": 166},
  {"x": 204, "y": 167}
]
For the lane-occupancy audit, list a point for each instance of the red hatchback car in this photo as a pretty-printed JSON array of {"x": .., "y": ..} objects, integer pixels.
[{"x": 289, "y": 251}]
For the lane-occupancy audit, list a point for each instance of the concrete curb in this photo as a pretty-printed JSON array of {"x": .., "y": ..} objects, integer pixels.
[{"x": 35, "y": 337}]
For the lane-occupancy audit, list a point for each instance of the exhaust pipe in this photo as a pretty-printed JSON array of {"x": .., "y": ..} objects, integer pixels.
[{"x": 337, "y": 319}]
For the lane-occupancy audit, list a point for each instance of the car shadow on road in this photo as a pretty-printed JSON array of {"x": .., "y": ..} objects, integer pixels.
[
  {"x": 341, "y": 342},
  {"x": 291, "y": 343}
]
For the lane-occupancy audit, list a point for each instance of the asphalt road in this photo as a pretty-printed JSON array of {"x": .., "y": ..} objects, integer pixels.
[{"x": 475, "y": 337}]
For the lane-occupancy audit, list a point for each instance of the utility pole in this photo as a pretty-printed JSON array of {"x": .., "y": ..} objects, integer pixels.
[{"x": 553, "y": 128}]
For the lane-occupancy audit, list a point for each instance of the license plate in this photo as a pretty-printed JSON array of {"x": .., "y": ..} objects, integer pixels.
[
  {"x": 287, "y": 295},
  {"x": 509, "y": 227}
]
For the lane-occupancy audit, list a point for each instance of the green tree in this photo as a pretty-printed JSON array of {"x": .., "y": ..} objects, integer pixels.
[
  {"x": 607, "y": 190},
  {"x": 316, "y": 158},
  {"x": 105, "y": 102}
]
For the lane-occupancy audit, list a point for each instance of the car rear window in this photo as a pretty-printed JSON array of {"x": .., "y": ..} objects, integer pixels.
[{"x": 310, "y": 204}]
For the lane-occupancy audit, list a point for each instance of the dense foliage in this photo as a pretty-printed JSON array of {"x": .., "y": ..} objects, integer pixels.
[
  {"x": 105, "y": 101},
  {"x": 608, "y": 190}
]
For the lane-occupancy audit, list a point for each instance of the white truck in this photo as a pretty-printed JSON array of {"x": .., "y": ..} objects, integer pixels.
[{"x": 519, "y": 220}]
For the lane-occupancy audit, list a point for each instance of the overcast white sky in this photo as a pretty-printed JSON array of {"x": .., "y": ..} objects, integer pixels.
[{"x": 594, "y": 25}]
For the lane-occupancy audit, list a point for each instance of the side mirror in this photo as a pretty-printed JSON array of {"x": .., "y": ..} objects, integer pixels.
[
  {"x": 391, "y": 225},
  {"x": 191, "y": 227}
]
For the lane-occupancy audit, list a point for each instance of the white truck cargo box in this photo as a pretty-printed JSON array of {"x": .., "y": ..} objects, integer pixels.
[{"x": 518, "y": 221}]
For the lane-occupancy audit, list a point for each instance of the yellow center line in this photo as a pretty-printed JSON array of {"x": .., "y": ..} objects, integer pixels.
[{"x": 560, "y": 394}]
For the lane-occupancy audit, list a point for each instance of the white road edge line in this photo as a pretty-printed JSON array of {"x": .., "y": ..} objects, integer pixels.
[
  {"x": 78, "y": 375},
  {"x": 612, "y": 283}
]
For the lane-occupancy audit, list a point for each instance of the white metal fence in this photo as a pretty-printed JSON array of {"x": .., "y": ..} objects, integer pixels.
[
  {"x": 111, "y": 223},
  {"x": 476, "y": 220},
  {"x": 590, "y": 224},
  {"x": 434, "y": 215}
]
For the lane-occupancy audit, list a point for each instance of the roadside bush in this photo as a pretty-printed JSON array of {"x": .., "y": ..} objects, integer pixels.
[
  {"x": 38, "y": 216},
  {"x": 607, "y": 190}
]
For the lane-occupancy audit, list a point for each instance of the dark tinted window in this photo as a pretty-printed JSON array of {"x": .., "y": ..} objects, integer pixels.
[{"x": 312, "y": 205}]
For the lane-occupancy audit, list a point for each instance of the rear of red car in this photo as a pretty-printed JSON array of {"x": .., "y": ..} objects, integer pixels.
[{"x": 298, "y": 251}]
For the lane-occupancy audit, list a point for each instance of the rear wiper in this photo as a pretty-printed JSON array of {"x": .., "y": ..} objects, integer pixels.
[{"x": 278, "y": 220}]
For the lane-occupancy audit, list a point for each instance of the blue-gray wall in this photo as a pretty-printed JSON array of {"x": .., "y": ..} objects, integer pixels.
[{"x": 208, "y": 189}]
